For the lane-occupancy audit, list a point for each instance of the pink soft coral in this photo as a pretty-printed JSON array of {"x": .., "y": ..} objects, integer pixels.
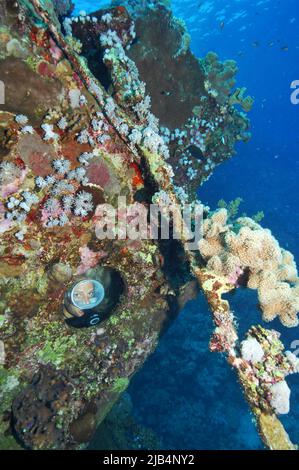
[
  {"x": 235, "y": 276},
  {"x": 89, "y": 259},
  {"x": 5, "y": 224},
  {"x": 13, "y": 186}
]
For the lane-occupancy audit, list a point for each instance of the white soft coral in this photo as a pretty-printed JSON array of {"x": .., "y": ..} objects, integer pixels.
[
  {"x": 8, "y": 172},
  {"x": 49, "y": 133},
  {"x": 83, "y": 204},
  {"x": 61, "y": 165}
]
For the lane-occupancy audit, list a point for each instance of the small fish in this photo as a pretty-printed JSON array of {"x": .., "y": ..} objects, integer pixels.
[
  {"x": 271, "y": 44},
  {"x": 222, "y": 24},
  {"x": 165, "y": 93},
  {"x": 255, "y": 44},
  {"x": 285, "y": 48}
]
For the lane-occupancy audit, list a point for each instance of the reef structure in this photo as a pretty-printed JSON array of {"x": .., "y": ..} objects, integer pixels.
[{"x": 77, "y": 131}]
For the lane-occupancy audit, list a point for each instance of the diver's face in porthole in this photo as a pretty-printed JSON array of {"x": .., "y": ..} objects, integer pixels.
[{"x": 87, "y": 294}]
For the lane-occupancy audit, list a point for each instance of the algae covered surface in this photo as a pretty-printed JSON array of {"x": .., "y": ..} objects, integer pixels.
[{"x": 104, "y": 110}]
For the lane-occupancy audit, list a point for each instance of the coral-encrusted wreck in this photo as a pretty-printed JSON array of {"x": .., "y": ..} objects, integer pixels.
[{"x": 88, "y": 117}]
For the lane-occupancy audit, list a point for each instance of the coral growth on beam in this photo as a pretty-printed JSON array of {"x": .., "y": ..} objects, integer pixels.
[{"x": 247, "y": 253}]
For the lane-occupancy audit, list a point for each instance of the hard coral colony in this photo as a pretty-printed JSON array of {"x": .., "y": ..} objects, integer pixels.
[{"x": 78, "y": 130}]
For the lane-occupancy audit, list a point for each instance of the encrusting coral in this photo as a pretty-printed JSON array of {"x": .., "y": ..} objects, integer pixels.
[
  {"x": 196, "y": 132},
  {"x": 264, "y": 354},
  {"x": 246, "y": 253}
]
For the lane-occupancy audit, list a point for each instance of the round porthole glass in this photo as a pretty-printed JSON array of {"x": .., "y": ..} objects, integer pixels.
[
  {"x": 87, "y": 294},
  {"x": 92, "y": 298}
]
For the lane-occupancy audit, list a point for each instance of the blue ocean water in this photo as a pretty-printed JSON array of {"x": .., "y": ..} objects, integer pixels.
[{"x": 187, "y": 395}]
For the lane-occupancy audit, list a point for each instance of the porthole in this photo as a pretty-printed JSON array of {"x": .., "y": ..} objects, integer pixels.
[{"x": 92, "y": 298}]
